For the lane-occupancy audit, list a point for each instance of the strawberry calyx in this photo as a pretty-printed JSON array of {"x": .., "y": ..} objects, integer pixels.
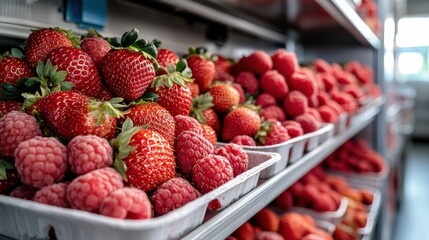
[
  {"x": 4, "y": 165},
  {"x": 121, "y": 146},
  {"x": 199, "y": 104},
  {"x": 148, "y": 97},
  {"x": 249, "y": 105},
  {"x": 91, "y": 32},
  {"x": 100, "y": 109},
  {"x": 264, "y": 130},
  {"x": 147, "y": 49},
  {"x": 14, "y": 53},
  {"x": 202, "y": 52},
  {"x": 181, "y": 74}
]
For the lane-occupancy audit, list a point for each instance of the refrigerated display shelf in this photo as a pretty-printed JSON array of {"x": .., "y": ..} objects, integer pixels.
[{"x": 222, "y": 224}]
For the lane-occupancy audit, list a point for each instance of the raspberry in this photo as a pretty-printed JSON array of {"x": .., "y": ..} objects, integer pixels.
[
  {"x": 285, "y": 62},
  {"x": 248, "y": 81},
  {"x": 209, "y": 134},
  {"x": 265, "y": 235},
  {"x": 322, "y": 66},
  {"x": 41, "y": 161},
  {"x": 190, "y": 148},
  {"x": 308, "y": 122},
  {"x": 104, "y": 94},
  {"x": 304, "y": 82},
  {"x": 274, "y": 83},
  {"x": 86, "y": 192},
  {"x": 236, "y": 156},
  {"x": 323, "y": 98},
  {"x": 291, "y": 122},
  {"x": 87, "y": 153},
  {"x": 265, "y": 100},
  {"x": 273, "y": 112},
  {"x": 315, "y": 114},
  {"x": 345, "y": 78},
  {"x": 335, "y": 106},
  {"x": 243, "y": 140},
  {"x": 347, "y": 102},
  {"x": 295, "y": 104},
  {"x": 186, "y": 123},
  {"x": 328, "y": 114},
  {"x": 240, "y": 91},
  {"x": 24, "y": 192},
  {"x": 313, "y": 102},
  {"x": 294, "y": 131},
  {"x": 173, "y": 194},
  {"x": 328, "y": 80},
  {"x": 16, "y": 127},
  {"x": 258, "y": 62},
  {"x": 55, "y": 195},
  {"x": 211, "y": 172},
  {"x": 129, "y": 203}
]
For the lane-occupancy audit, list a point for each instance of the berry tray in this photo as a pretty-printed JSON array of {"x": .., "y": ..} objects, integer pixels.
[
  {"x": 333, "y": 217},
  {"x": 22, "y": 219},
  {"x": 341, "y": 125}
]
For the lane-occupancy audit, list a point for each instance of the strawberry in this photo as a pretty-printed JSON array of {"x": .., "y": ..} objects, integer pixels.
[
  {"x": 204, "y": 113},
  {"x": 322, "y": 66},
  {"x": 195, "y": 89},
  {"x": 248, "y": 81},
  {"x": 240, "y": 121},
  {"x": 209, "y": 134},
  {"x": 274, "y": 83},
  {"x": 258, "y": 62},
  {"x": 272, "y": 132},
  {"x": 95, "y": 46},
  {"x": 273, "y": 112},
  {"x": 144, "y": 157},
  {"x": 69, "y": 114},
  {"x": 128, "y": 71},
  {"x": 42, "y": 41},
  {"x": 172, "y": 91},
  {"x": 8, "y": 177},
  {"x": 240, "y": 91},
  {"x": 222, "y": 64},
  {"x": 294, "y": 227},
  {"x": 286, "y": 63},
  {"x": 9, "y": 106},
  {"x": 82, "y": 72},
  {"x": 224, "y": 97},
  {"x": 203, "y": 69},
  {"x": 267, "y": 220},
  {"x": 164, "y": 58},
  {"x": 12, "y": 67},
  {"x": 265, "y": 100},
  {"x": 156, "y": 117}
]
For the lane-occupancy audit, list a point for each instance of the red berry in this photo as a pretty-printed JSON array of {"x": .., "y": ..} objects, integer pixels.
[
  {"x": 87, "y": 192},
  {"x": 195, "y": 89},
  {"x": 323, "y": 98},
  {"x": 16, "y": 127},
  {"x": 285, "y": 62},
  {"x": 12, "y": 69},
  {"x": 165, "y": 57},
  {"x": 55, "y": 195},
  {"x": 328, "y": 80},
  {"x": 129, "y": 203},
  {"x": 211, "y": 172},
  {"x": 41, "y": 161},
  {"x": 10, "y": 182},
  {"x": 273, "y": 112},
  {"x": 303, "y": 82},
  {"x": 265, "y": 235},
  {"x": 322, "y": 66},
  {"x": 186, "y": 123},
  {"x": 209, "y": 134},
  {"x": 258, "y": 62},
  {"x": 173, "y": 194},
  {"x": 243, "y": 140},
  {"x": 291, "y": 123},
  {"x": 236, "y": 156},
  {"x": 328, "y": 114},
  {"x": 224, "y": 97},
  {"x": 24, "y": 192},
  {"x": 9, "y": 106},
  {"x": 240, "y": 91},
  {"x": 315, "y": 114},
  {"x": 190, "y": 148},
  {"x": 240, "y": 121},
  {"x": 295, "y": 104},
  {"x": 308, "y": 122},
  {"x": 96, "y": 48},
  {"x": 87, "y": 153},
  {"x": 294, "y": 131},
  {"x": 277, "y": 134},
  {"x": 248, "y": 81},
  {"x": 265, "y": 100},
  {"x": 274, "y": 83},
  {"x": 203, "y": 71}
]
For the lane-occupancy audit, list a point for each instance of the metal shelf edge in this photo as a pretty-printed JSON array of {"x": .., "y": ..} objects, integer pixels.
[{"x": 226, "y": 221}]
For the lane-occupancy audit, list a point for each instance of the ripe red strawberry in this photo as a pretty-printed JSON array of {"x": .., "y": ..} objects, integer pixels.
[
  {"x": 165, "y": 57},
  {"x": 222, "y": 64},
  {"x": 104, "y": 94},
  {"x": 12, "y": 67},
  {"x": 240, "y": 91},
  {"x": 267, "y": 220},
  {"x": 95, "y": 46},
  {"x": 173, "y": 94},
  {"x": 272, "y": 132},
  {"x": 156, "y": 117},
  {"x": 303, "y": 82},
  {"x": 144, "y": 157},
  {"x": 81, "y": 70},
  {"x": 128, "y": 72},
  {"x": 258, "y": 62},
  {"x": 224, "y": 97},
  {"x": 240, "y": 121},
  {"x": 24, "y": 192},
  {"x": 308, "y": 122},
  {"x": 245, "y": 232},
  {"x": 190, "y": 148},
  {"x": 286, "y": 63},
  {"x": 42, "y": 41},
  {"x": 265, "y": 100},
  {"x": 274, "y": 83},
  {"x": 328, "y": 80},
  {"x": 248, "y": 81},
  {"x": 284, "y": 200},
  {"x": 203, "y": 69},
  {"x": 209, "y": 134},
  {"x": 9, "y": 106},
  {"x": 195, "y": 89},
  {"x": 273, "y": 112},
  {"x": 294, "y": 227},
  {"x": 204, "y": 113},
  {"x": 69, "y": 114},
  {"x": 9, "y": 178},
  {"x": 322, "y": 66},
  {"x": 295, "y": 104}
]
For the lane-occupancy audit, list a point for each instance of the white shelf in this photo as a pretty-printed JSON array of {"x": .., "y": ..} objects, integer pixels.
[{"x": 225, "y": 222}]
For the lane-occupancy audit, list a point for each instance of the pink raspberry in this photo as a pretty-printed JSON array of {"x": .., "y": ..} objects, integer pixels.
[
  {"x": 347, "y": 102},
  {"x": 328, "y": 80},
  {"x": 273, "y": 112},
  {"x": 294, "y": 131},
  {"x": 211, "y": 172},
  {"x": 173, "y": 194},
  {"x": 274, "y": 83},
  {"x": 41, "y": 161},
  {"x": 236, "y": 156},
  {"x": 191, "y": 147},
  {"x": 129, "y": 203},
  {"x": 285, "y": 62},
  {"x": 55, "y": 195},
  {"x": 86, "y": 192},
  {"x": 265, "y": 100},
  {"x": 243, "y": 140},
  {"x": 322, "y": 66},
  {"x": 265, "y": 235},
  {"x": 328, "y": 114},
  {"x": 308, "y": 122},
  {"x": 186, "y": 123},
  {"x": 314, "y": 113},
  {"x": 291, "y": 122},
  {"x": 24, "y": 192},
  {"x": 87, "y": 153},
  {"x": 336, "y": 106},
  {"x": 16, "y": 127},
  {"x": 304, "y": 82},
  {"x": 323, "y": 98},
  {"x": 295, "y": 104},
  {"x": 248, "y": 81},
  {"x": 313, "y": 102}
]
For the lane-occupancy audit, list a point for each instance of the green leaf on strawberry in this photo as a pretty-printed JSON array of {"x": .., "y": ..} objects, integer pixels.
[
  {"x": 199, "y": 104},
  {"x": 4, "y": 164},
  {"x": 181, "y": 75}
]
